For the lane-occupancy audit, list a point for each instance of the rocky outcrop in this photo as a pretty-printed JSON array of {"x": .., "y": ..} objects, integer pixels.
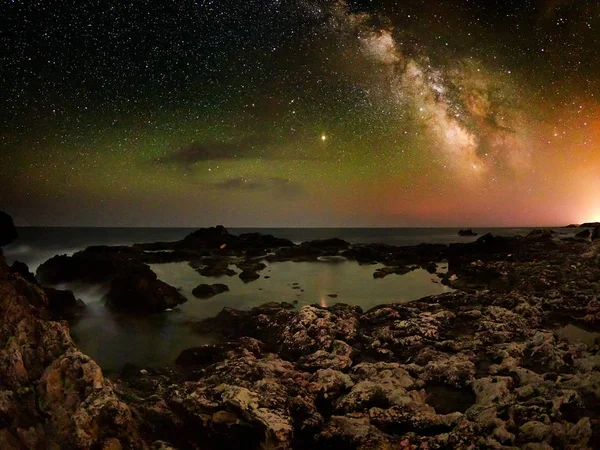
[
  {"x": 134, "y": 287},
  {"x": 480, "y": 367},
  {"x": 476, "y": 369},
  {"x": 142, "y": 293},
  {"x": 467, "y": 232},
  {"x": 51, "y": 395},
  {"x": 8, "y": 232}
]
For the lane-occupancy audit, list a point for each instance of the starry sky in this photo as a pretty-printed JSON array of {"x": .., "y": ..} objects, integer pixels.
[{"x": 300, "y": 112}]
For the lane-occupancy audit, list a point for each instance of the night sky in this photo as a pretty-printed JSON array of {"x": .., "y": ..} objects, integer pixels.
[{"x": 300, "y": 112}]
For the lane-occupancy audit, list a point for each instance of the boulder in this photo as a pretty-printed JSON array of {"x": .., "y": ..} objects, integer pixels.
[
  {"x": 142, "y": 293},
  {"x": 596, "y": 233},
  {"x": 585, "y": 234},
  {"x": 248, "y": 275},
  {"x": 207, "y": 290},
  {"x": 8, "y": 232}
]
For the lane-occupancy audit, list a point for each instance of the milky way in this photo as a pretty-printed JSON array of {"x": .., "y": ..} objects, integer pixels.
[{"x": 300, "y": 112}]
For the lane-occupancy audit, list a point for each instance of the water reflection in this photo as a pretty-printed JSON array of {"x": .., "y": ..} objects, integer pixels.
[{"x": 113, "y": 339}]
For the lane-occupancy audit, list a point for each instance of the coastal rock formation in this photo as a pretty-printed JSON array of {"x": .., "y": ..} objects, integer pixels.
[
  {"x": 8, "y": 232},
  {"x": 485, "y": 366},
  {"x": 134, "y": 287},
  {"x": 467, "y": 232},
  {"x": 51, "y": 395},
  {"x": 476, "y": 369}
]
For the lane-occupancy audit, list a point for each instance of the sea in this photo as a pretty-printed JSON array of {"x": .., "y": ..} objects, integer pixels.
[{"x": 114, "y": 339}]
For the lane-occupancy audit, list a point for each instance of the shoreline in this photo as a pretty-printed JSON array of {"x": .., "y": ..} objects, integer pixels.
[{"x": 482, "y": 366}]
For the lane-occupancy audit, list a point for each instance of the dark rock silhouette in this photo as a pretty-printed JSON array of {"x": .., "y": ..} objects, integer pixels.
[
  {"x": 8, "y": 232},
  {"x": 207, "y": 290},
  {"x": 585, "y": 234},
  {"x": 467, "y": 232}
]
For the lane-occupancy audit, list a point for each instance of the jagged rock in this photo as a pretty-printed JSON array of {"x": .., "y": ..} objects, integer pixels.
[
  {"x": 207, "y": 290},
  {"x": 22, "y": 269},
  {"x": 8, "y": 232},
  {"x": 51, "y": 395}
]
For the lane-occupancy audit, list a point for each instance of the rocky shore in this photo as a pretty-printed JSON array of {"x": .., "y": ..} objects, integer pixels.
[{"x": 485, "y": 366}]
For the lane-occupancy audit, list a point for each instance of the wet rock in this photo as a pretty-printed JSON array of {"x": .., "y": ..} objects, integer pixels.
[
  {"x": 248, "y": 275},
  {"x": 251, "y": 266},
  {"x": 385, "y": 271},
  {"x": 142, "y": 293},
  {"x": 8, "y": 232},
  {"x": 213, "y": 267},
  {"x": 207, "y": 290}
]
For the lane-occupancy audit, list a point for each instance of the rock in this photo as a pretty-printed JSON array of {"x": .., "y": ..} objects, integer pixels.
[
  {"x": 385, "y": 271},
  {"x": 213, "y": 267},
  {"x": 63, "y": 304},
  {"x": 23, "y": 270},
  {"x": 585, "y": 234},
  {"x": 219, "y": 238},
  {"x": 327, "y": 244},
  {"x": 251, "y": 266},
  {"x": 467, "y": 232},
  {"x": 590, "y": 225},
  {"x": 8, "y": 232},
  {"x": 249, "y": 275},
  {"x": 52, "y": 396},
  {"x": 142, "y": 294},
  {"x": 207, "y": 290},
  {"x": 534, "y": 431},
  {"x": 596, "y": 233},
  {"x": 210, "y": 354},
  {"x": 98, "y": 264}
]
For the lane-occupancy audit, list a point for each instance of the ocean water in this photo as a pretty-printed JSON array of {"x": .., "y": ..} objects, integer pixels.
[{"x": 115, "y": 339}]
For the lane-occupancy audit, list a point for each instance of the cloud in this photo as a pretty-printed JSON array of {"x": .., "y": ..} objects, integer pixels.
[
  {"x": 206, "y": 151},
  {"x": 256, "y": 147},
  {"x": 277, "y": 185}
]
